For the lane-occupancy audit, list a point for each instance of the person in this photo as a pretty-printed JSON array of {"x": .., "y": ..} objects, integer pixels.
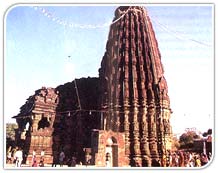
[
  {"x": 9, "y": 157},
  {"x": 73, "y": 162},
  {"x": 137, "y": 164},
  {"x": 61, "y": 158},
  {"x": 43, "y": 153},
  {"x": 204, "y": 159},
  {"x": 209, "y": 155},
  {"x": 14, "y": 150},
  {"x": 164, "y": 160},
  {"x": 198, "y": 162},
  {"x": 155, "y": 163},
  {"x": 181, "y": 159},
  {"x": 34, "y": 158},
  {"x": 107, "y": 161},
  {"x": 88, "y": 159},
  {"x": 34, "y": 153},
  {"x": 41, "y": 163},
  {"x": 34, "y": 161},
  {"x": 18, "y": 157}
]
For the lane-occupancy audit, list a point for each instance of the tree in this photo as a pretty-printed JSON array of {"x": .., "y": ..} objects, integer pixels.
[
  {"x": 204, "y": 134},
  {"x": 10, "y": 134},
  {"x": 175, "y": 144},
  {"x": 186, "y": 140},
  {"x": 209, "y": 132}
]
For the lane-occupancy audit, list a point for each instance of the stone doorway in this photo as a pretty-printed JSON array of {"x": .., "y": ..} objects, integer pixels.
[
  {"x": 111, "y": 152},
  {"x": 108, "y": 149}
]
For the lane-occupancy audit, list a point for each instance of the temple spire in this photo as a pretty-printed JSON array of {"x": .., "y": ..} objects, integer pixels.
[{"x": 136, "y": 88}]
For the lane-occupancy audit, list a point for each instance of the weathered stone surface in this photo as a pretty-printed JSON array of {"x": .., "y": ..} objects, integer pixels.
[
  {"x": 35, "y": 124},
  {"x": 57, "y": 122},
  {"x": 135, "y": 86},
  {"x": 128, "y": 104},
  {"x": 104, "y": 142}
]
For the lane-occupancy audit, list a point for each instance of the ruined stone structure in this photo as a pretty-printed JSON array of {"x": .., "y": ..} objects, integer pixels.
[
  {"x": 121, "y": 118},
  {"x": 53, "y": 120},
  {"x": 35, "y": 122}
]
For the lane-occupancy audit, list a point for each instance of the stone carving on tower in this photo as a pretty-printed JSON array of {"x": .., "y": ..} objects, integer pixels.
[
  {"x": 121, "y": 118},
  {"x": 134, "y": 90},
  {"x": 35, "y": 123}
]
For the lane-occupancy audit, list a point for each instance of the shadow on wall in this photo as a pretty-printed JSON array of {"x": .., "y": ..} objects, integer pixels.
[{"x": 75, "y": 118}]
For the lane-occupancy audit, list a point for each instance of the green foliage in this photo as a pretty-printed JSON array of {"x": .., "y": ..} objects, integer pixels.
[
  {"x": 186, "y": 140},
  {"x": 204, "y": 134},
  {"x": 209, "y": 132},
  {"x": 10, "y": 134},
  {"x": 175, "y": 144},
  {"x": 10, "y": 130}
]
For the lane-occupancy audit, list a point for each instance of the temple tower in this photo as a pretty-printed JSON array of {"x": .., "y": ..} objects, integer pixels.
[{"x": 134, "y": 91}]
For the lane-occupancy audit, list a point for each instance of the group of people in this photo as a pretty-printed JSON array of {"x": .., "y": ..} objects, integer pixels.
[
  {"x": 183, "y": 159},
  {"x": 189, "y": 159},
  {"x": 35, "y": 163},
  {"x": 15, "y": 155},
  {"x": 171, "y": 159},
  {"x": 61, "y": 160}
]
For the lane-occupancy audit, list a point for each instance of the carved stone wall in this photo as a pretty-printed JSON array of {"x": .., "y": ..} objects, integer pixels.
[
  {"x": 35, "y": 124},
  {"x": 134, "y": 90},
  {"x": 76, "y": 116},
  {"x": 128, "y": 103},
  {"x": 101, "y": 141},
  {"x": 56, "y": 121}
]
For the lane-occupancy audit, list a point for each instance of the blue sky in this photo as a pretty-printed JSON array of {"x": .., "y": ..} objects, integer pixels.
[{"x": 37, "y": 54}]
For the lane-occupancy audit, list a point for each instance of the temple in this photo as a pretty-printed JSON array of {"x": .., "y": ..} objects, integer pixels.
[{"x": 121, "y": 118}]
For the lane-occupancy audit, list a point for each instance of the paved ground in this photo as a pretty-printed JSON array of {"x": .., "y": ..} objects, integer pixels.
[{"x": 47, "y": 165}]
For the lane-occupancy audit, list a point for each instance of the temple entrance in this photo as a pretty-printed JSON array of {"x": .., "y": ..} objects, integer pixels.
[
  {"x": 111, "y": 153},
  {"x": 108, "y": 149}
]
